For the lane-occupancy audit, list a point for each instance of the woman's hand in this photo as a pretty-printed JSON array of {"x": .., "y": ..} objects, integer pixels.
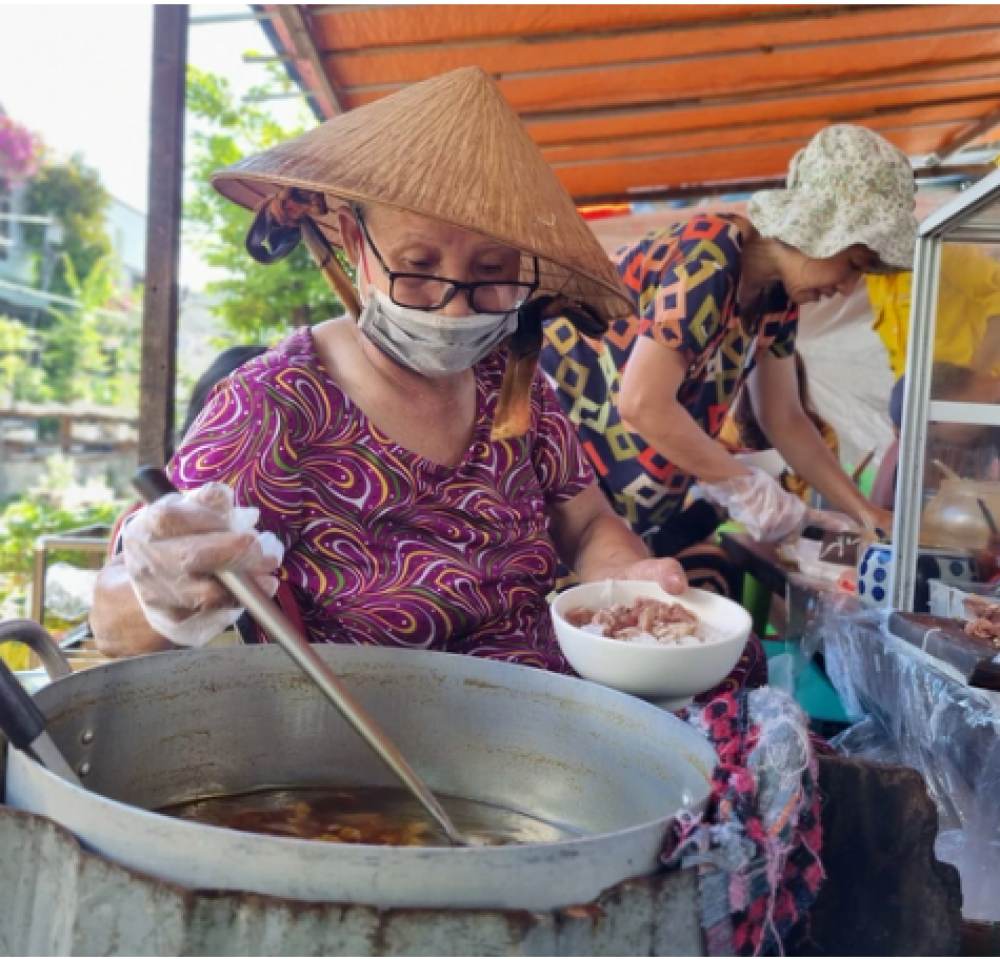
[
  {"x": 667, "y": 573},
  {"x": 594, "y": 542},
  {"x": 173, "y": 547},
  {"x": 873, "y": 517},
  {"x": 769, "y": 513},
  {"x": 163, "y": 587}
]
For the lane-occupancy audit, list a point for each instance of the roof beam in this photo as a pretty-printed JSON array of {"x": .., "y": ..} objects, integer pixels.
[
  {"x": 734, "y": 187},
  {"x": 265, "y": 96},
  {"x": 723, "y": 148},
  {"x": 978, "y": 129},
  {"x": 296, "y": 22},
  {"x": 607, "y": 33},
  {"x": 209, "y": 19},
  {"x": 825, "y": 116},
  {"x": 736, "y": 52},
  {"x": 797, "y": 91}
]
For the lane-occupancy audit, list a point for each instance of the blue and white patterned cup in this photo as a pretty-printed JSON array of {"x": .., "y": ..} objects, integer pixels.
[
  {"x": 873, "y": 575},
  {"x": 875, "y": 569}
]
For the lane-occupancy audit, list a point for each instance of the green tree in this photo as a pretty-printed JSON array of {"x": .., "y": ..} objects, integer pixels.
[
  {"x": 91, "y": 350},
  {"x": 73, "y": 195},
  {"x": 257, "y": 304},
  {"x": 20, "y": 378}
]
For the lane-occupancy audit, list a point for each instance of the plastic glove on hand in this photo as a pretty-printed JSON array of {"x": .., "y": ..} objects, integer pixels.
[
  {"x": 831, "y": 521},
  {"x": 172, "y": 548},
  {"x": 755, "y": 499}
]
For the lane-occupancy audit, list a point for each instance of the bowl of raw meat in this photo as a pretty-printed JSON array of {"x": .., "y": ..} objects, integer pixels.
[{"x": 637, "y": 638}]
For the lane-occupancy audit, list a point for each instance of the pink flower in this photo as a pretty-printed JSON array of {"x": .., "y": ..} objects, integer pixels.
[{"x": 20, "y": 152}]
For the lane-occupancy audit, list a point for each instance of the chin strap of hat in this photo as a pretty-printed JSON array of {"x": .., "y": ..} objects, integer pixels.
[
  {"x": 513, "y": 415},
  {"x": 282, "y": 222}
]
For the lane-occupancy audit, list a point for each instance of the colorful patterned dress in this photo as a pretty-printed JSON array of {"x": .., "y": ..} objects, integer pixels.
[
  {"x": 384, "y": 547},
  {"x": 684, "y": 283}
]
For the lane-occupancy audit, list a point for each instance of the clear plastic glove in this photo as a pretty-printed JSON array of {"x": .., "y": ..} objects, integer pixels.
[
  {"x": 757, "y": 501},
  {"x": 172, "y": 547},
  {"x": 831, "y": 520}
]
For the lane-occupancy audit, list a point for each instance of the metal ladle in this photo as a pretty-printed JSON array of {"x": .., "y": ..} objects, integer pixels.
[{"x": 153, "y": 484}]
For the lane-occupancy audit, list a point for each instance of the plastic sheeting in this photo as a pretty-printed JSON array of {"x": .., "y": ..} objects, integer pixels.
[{"x": 918, "y": 711}]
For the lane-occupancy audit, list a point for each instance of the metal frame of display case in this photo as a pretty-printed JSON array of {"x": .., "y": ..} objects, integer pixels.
[{"x": 952, "y": 223}]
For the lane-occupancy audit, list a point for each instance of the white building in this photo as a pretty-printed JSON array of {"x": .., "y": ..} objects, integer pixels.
[{"x": 20, "y": 295}]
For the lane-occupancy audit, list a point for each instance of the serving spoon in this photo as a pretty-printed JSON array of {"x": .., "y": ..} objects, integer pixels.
[{"x": 153, "y": 484}]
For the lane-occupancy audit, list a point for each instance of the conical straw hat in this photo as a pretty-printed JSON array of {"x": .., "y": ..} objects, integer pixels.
[{"x": 450, "y": 148}]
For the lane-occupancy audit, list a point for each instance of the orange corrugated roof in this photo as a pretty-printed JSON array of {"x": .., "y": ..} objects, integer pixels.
[{"x": 632, "y": 98}]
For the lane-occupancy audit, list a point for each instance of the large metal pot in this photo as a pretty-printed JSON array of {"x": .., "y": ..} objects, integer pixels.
[{"x": 154, "y": 730}]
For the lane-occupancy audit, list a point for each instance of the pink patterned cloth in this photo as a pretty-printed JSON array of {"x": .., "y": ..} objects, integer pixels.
[{"x": 385, "y": 547}]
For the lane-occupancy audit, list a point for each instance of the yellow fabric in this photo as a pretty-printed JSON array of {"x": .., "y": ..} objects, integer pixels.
[
  {"x": 729, "y": 435},
  {"x": 794, "y": 483},
  {"x": 15, "y": 655},
  {"x": 969, "y": 295}
]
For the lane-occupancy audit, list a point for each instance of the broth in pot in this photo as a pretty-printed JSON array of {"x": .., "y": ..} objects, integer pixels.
[{"x": 364, "y": 815}]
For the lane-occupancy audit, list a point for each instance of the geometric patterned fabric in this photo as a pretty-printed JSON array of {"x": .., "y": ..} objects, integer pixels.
[{"x": 684, "y": 282}]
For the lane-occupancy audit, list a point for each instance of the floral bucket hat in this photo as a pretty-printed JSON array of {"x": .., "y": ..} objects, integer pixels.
[{"x": 848, "y": 186}]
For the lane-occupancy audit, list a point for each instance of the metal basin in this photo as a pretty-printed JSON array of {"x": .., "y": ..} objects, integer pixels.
[{"x": 155, "y": 730}]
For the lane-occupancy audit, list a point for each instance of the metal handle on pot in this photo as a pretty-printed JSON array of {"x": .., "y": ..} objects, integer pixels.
[
  {"x": 23, "y": 724},
  {"x": 38, "y": 640},
  {"x": 153, "y": 484},
  {"x": 20, "y": 719}
]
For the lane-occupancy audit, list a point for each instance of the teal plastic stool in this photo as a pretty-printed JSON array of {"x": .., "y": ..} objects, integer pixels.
[{"x": 813, "y": 690}]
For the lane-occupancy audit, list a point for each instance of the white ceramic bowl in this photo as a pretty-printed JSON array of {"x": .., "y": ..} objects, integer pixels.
[{"x": 669, "y": 675}]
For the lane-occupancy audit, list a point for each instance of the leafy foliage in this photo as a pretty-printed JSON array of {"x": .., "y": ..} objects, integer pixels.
[
  {"x": 258, "y": 304},
  {"x": 73, "y": 195},
  {"x": 92, "y": 353},
  {"x": 21, "y": 379},
  {"x": 24, "y": 520}
]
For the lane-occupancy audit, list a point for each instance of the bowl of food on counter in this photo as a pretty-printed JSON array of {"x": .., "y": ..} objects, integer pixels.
[{"x": 637, "y": 638}]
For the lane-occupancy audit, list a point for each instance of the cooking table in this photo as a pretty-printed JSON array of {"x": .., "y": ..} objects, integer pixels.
[{"x": 803, "y": 594}]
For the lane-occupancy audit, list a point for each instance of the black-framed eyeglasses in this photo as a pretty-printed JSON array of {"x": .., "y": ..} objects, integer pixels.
[{"x": 423, "y": 291}]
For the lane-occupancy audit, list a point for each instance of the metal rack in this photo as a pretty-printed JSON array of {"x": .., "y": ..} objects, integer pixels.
[{"x": 973, "y": 217}]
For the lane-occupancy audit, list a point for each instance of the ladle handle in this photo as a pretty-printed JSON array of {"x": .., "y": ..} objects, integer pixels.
[
  {"x": 153, "y": 484},
  {"x": 20, "y": 719}
]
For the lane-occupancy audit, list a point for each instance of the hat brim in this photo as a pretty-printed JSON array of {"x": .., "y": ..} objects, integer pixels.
[
  {"x": 450, "y": 149},
  {"x": 824, "y": 228}
]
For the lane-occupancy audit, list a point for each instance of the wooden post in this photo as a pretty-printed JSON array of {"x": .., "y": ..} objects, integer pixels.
[{"x": 163, "y": 234}]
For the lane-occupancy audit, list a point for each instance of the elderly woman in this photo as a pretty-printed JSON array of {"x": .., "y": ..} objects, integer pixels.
[
  {"x": 716, "y": 304},
  {"x": 370, "y": 449}
]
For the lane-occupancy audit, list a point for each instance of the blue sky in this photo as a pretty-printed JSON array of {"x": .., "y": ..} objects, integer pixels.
[{"x": 80, "y": 76}]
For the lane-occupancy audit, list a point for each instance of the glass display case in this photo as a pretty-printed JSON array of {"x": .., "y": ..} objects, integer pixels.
[{"x": 948, "y": 485}]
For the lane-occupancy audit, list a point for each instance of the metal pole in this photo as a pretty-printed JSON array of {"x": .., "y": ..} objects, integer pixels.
[
  {"x": 163, "y": 234},
  {"x": 913, "y": 441}
]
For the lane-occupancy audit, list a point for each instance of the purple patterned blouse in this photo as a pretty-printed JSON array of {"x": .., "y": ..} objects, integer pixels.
[{"x": 385, "y": 547}]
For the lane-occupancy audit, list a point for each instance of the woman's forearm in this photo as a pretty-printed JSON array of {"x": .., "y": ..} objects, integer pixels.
[
  {"x": 610, "y": 550},
  {"x": 804, "y": 450},
  {"x": 607, "y": 547},
  {"x": 681, "y": 441},
  {"x": 596, "y": 544}
]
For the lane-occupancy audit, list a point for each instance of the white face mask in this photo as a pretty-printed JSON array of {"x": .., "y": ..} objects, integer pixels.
[{"x": 429, "y": 343}]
